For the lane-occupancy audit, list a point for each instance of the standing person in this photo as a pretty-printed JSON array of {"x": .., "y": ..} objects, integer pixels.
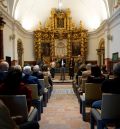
[
  {"x": 52, "y": 70},
  {"x": 62, "y": 67},
  {"x": 71, "y": 67}
]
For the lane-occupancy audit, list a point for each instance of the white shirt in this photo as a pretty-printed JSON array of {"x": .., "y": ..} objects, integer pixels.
[{"x": 62, "y": 62}]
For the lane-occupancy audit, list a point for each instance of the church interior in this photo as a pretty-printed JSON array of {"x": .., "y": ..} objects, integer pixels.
[{"x": 32, "y": 31}]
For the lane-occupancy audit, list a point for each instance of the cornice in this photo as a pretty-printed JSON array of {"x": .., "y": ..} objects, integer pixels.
[
  {"x": 15, "y": 23},
  {"x": 115, "y": 16}
]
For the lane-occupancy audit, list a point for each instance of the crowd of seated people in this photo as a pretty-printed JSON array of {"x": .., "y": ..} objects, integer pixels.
[
  {"x": 13, "y": 81},
  {"x": 110, "y": 85},
  {"x": 95, "y": 74},
  {"x": 12, "y": 84}
]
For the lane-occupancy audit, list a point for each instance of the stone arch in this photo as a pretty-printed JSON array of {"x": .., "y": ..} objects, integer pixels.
[
  {"x": 101, "y": 52},
  {"x": 20, "y": 51}
]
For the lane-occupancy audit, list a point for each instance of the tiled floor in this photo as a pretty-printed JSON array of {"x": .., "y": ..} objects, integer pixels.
[{"x": 62, "y": 111}]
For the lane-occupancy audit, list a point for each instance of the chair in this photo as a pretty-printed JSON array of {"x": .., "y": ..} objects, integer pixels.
[
  {"x": 92, "y": 93},
  {"x": 17, "y": 105},
  {"x": 47, "y": 85},
  {"x": 109, "y": 113},
  {"x": 79, "y": 80},
  {"x": 42, "y": 83},
  {"x": 37, "y": 101},
  {"x": 45, "y": 92},
  {"x": 82, "y": 86}
]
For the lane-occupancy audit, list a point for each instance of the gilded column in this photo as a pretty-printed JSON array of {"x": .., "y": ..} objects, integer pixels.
[
  {"x": 68, "y": 46},
  {"x": 1, "y": 38}
]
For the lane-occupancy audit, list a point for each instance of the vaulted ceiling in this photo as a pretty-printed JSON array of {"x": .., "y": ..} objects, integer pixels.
[{"x": 30, "y": 12}]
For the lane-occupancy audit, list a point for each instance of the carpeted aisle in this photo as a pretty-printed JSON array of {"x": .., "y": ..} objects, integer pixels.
[{"x": 62, "y": 111}]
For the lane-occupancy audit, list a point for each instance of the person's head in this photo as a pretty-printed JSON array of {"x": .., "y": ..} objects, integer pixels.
[
  {"x": 45, "y": 68},
  {"x": 18, "y": 67},
  {"x": 72, "y": 58},
  {"x": 88, "y": 66},
  {"x": 36, "y": 68},
  {"x": 82, "y": 66},
  {"x": 13, "y": 78},
  {"x": 116, "y": 69},
  {"x": 95, "y": 71},
  {"x": 4, "y": 66},
  {"x": 27, "y": 70}
]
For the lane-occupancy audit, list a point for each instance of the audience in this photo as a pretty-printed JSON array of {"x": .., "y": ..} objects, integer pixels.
[
  {"x": 110, "y": 85},
  {"x": 13, "y": 86}
]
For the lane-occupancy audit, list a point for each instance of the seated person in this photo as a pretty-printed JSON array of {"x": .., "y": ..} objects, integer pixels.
[
  {"x": 110, "y": 85},
  {"x": 6, "y": 122},
  {"x": 46, "y": 72},
  {"x": 80, "y": 70},
  {"x": 104, "y": 70},
  {"x": 4, "y": 66},
  {"x": 29, "y": 79},
  {"x": 13, "y": 86},
  {"x": 37, "y": 73},
  {"x": 87, "y": 72},
  {"x": 95, "y": 76}
]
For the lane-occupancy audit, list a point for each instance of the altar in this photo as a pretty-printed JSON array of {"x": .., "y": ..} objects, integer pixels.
[{"x": 60, "y": 36}]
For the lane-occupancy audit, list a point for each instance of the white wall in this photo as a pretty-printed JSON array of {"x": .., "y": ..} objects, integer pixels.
[
  {"x": 110, "y": 27},
  {"x": 114, "y": 23},
  {"x": 10, "y": 45}
]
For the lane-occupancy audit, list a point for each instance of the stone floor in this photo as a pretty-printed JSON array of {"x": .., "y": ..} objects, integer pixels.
[{"x": 62, "y": 111}]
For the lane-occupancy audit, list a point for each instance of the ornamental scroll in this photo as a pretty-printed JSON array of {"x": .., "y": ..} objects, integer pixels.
[{"x": 60, "y": 34}]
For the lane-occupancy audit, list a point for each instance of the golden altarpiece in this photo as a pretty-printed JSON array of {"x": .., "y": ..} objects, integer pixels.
[{"x": 60, "y": 37}]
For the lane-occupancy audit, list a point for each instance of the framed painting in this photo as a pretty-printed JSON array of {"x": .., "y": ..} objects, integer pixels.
[
  {"x": 45, "y": 48},
  {"x": 115, "y": 56},
  {"x": 75, "y": 48},
  {"x": 60, "y": 22}
]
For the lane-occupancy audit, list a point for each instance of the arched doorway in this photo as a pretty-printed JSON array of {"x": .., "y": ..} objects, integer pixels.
[
  {"x": 20, "y": 51},
  {"x": 101, "y": 52}
]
